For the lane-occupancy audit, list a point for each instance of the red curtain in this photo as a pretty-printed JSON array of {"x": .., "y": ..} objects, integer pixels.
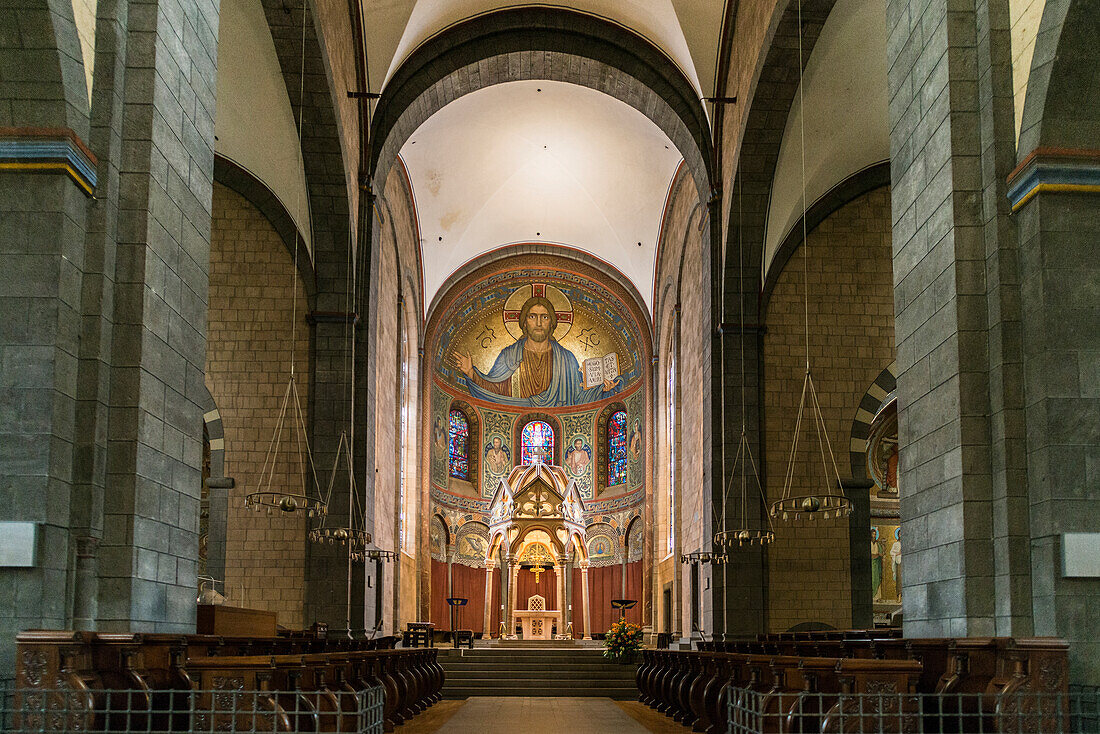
[
  {"x": 526, "y": 587},
  {"x": 438, "y": 608},
  {"x": 605, "y": 584},
  {"x": 469, "y": 582}
]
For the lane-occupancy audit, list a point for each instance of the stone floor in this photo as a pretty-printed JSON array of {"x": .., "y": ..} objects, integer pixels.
[{"x": 540, "y": 716}]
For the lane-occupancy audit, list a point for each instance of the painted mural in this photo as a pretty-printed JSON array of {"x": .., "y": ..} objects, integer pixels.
[
  {"x": 554, "y": 340},
  {"x": 885, "y": 563},
  {"x": 635, "y": 441},
  {"x": 579, "y": 452},
  {"x": 526, "y": 342},
  {"x": 440, "y": 413},
  {"x": 499, "y": 453}
]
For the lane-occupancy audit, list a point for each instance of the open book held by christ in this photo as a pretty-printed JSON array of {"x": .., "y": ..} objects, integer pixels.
[{"x": 599, "y": 370}]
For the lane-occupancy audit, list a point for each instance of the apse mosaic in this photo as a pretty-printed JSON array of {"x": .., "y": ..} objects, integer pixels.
[
  {"x": 543, "y": 344},
  {"x": 472, "y": 543},
  {"x": 524, "y": 341},
  {"x": 603, "y": 545}
]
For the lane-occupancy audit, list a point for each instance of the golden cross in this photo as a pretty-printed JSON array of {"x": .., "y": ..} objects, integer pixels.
[{"x": 537, "y": 570}]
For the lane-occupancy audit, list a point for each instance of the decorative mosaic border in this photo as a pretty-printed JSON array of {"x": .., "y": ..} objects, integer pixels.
[
  {"x": 1054, "y": 170},
  {"x": 48, "y": 150}
]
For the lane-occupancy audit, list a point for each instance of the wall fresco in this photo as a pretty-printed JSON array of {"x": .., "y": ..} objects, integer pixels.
[
  {"x": 521, "y": 340},
  {"x": 635, "y": 441},
  {"x": 580, "y": 450}
]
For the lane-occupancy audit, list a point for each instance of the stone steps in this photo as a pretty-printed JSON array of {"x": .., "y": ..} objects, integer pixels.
[{"x": 536, "y": 673}]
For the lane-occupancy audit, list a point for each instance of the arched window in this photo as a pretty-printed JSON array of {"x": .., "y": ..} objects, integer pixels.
[
  {"x": 536, "y": 443},
  {"x": 460, "y": 446},
  {"x": 616, "y": 448}
]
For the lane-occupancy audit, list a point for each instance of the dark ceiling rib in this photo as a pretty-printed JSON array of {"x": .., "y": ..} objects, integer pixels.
[{"x": 768, "y": 107}]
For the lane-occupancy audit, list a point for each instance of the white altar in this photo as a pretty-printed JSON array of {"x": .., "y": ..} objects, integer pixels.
[{"x": 536, "y": 621}]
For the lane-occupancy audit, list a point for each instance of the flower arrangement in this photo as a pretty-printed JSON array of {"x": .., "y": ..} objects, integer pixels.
[{"x": 623, "y": 640}]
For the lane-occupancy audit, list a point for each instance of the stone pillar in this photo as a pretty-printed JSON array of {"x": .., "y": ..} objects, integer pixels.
[
  {"x": 584, "y": 591},
  {"x": 513, "y": 566},
  {"x": 568, "y": 589},
  {"x": 486, "y": 630},
  {"x": 450, "y": 570},
  {"x": 964, "y": 501},
  {"x": 559, "y": 571}
]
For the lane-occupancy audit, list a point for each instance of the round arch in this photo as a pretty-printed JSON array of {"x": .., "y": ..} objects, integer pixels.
[{"x": 533, "y": 43}]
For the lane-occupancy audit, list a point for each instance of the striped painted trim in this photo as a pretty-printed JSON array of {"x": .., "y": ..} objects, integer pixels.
[
  {"x": 869, "y": 405},
  {"x": 1054, "y": 170},
  {"x": 48, "y": 150}
]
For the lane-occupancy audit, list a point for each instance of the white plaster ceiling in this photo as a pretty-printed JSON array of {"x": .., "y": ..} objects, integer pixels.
[
  {"x": 565, "y": 165},
  {"x": 686, "y": 30},
  {"x": 255, "y": 126},
  {"x": 847, "y": 128}
]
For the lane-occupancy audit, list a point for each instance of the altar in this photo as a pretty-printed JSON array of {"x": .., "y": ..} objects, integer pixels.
[{"x": 537, "y": 625}]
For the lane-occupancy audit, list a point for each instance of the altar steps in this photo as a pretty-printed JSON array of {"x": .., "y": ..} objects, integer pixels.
[{"x": 535, "y": 673}]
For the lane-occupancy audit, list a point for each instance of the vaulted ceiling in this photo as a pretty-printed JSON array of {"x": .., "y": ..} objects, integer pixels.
[
  {"x": 542, "y": 161},
  {"x": 535, "y": 161}
]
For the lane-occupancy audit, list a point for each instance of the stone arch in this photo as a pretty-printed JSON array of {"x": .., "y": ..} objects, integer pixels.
[
  {"x": 632, "y": 549},
  {"x": 555, "y": 542},
  {"x": 847, "y": 191},
  {"x": 259, "y": 195},
  {"x": 885, "y": 384},
  {"x": 326, "y": 181},
  {"x": 541, "y": 43},
  {"x": 517, "y": 435},
  {"x": 1061, "y": 107},
  {"x": 761, "y": 136},
  {"x": 215, "y": 502}
]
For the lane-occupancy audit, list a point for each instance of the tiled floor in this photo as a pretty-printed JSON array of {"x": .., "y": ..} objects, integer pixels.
[{"x": 539, "y": 716}]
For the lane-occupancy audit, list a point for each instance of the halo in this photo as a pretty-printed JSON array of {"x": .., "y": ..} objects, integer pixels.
[{"x": 562, "y": 307}]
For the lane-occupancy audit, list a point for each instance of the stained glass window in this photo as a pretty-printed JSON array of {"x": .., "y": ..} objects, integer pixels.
[
  {"x": 460, "y": 446},
  {"x": 616, "y": 449},
  {"x": 537, "y": 443}
]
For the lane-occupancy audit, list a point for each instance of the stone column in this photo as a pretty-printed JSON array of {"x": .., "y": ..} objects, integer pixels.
[
  {"x": 450, "y": 570},
  {"x": 559, "y": 571},
  {"x": 486, "y": 630},
  {"x": 964, "y": 504},
  {"x": 584, "y": 591},
  {"x": 513, "y": 566},
  {"x": 568, "y": 589}
]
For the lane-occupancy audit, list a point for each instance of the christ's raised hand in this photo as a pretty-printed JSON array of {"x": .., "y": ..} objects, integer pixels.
[{"x": 464, "y": 362}]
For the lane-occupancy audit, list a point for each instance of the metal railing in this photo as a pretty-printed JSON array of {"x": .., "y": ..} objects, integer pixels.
[
  {"x": 228, "y": 709},
  {"x": 1018, "y": 712}
]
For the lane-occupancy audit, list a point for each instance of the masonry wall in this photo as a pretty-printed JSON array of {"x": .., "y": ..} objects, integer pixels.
[
  {"x": 253, "y": 289},
  {"x": 676, "y": 229},
  {"x": 851, "y": 326}
]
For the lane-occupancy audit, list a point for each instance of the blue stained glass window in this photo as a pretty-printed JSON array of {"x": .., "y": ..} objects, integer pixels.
[
  {"x": 537, "y": 442},
  {"x": 616, "y": 449},
  {"x": 460, "y": 446}
]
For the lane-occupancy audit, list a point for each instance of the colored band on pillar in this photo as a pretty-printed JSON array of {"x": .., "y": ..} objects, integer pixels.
[
  {"x": 1054, "y": 170},
  {"x": 48, "y": 150}
]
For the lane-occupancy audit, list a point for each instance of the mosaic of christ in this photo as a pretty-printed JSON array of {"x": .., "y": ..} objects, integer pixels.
[{"x": 534, "y": 370}]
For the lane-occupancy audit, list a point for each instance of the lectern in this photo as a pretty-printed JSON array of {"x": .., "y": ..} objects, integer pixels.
[
  {"x": 455, "y": 602},
  {"x": 622, "y": 605}
]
